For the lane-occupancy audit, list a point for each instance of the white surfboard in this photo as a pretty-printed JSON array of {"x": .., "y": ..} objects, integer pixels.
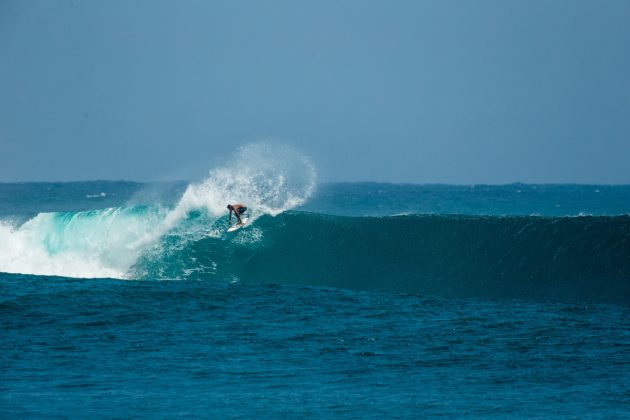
[{"x": 236, "y": 227}]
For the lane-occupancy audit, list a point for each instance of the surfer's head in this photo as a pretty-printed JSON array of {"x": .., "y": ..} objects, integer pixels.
[{"x": 229, "y": 206}]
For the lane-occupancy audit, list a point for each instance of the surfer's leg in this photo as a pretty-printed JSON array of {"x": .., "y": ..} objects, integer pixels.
[{"x": 239, "y": 213}]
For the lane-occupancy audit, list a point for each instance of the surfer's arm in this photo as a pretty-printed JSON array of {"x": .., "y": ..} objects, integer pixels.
[{"x": 230, "y": 216}]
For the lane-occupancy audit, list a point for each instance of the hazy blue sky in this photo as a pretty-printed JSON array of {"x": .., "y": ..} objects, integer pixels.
[{"x": 403, "y": 91}]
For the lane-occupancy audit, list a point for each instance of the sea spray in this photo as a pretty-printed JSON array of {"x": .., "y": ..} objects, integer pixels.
[{"x": 269, "y": 178}]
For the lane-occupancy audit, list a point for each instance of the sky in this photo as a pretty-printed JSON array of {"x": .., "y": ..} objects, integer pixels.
[{"x": 444, "y": 91}]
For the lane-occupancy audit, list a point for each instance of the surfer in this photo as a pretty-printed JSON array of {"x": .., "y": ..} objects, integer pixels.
[{"x": 238, "y": 209}]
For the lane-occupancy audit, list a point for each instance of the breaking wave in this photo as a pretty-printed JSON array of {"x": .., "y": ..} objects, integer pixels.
[
  {"x": 270, "y": 178},
  {"x": 585, "y": 258}
]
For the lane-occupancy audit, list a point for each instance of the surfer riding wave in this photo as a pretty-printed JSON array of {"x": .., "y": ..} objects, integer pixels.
[{"x": 238, "y": 210}]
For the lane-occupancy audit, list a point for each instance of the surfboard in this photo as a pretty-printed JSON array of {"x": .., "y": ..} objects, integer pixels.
[{"x": 236, "y": 227}]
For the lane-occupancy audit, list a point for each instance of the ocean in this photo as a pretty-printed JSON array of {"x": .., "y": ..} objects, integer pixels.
[{"x": 342, "y": 300}]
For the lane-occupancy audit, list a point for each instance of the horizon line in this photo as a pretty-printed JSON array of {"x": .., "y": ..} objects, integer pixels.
[{"x": 329, "y": 182}]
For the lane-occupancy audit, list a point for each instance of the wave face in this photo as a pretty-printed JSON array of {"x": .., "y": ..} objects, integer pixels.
[
  {"x": 570, "y": 258},
  {"x": 555, "y": 258}
]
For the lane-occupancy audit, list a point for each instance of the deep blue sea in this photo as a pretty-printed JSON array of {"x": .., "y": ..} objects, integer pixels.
[{"x": 360, "y": 300}]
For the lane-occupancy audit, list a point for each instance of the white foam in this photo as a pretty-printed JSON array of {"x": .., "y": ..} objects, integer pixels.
[
  {"x": 103, "y": 243},
  {"x": 96, "y": 195},
  {"x": 248, "y": 236}
]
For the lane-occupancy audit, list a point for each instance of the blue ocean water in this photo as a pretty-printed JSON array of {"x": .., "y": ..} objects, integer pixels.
[{"x": 121, "y": 299}]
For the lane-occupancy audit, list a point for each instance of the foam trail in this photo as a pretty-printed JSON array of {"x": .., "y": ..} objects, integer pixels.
[{"x": 268, "y": 178}]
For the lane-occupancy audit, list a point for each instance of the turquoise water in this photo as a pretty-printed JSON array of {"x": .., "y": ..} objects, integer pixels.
[{"x": 362, "y": 300}]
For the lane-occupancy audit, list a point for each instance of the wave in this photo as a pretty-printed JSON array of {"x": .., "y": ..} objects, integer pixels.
[
  {"x": 270, "y": 178},
  {"x": 585, "y": 258},
  {"x": 98, "y": 243},
  {"x": 568, "y": 258}
]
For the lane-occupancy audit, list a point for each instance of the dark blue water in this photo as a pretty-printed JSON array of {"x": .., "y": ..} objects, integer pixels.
[
  {"x": 412, "y": 301},
  {"x": 119, "y": 348}
]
